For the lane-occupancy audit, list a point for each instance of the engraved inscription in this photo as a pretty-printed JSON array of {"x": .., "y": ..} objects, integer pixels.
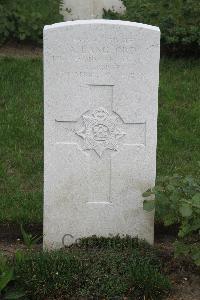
[{"x": 100, "y": 131}]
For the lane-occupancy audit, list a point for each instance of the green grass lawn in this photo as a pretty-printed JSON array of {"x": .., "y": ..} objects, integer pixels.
[{"x": 21, "y": 131}]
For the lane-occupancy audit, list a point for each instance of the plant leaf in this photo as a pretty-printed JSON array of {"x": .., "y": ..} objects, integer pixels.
[
  {"x": 149, "y": 205},
  {"x": 36, "y": 239},
  {"x": 185, "y": 210},
  {"x": 5, "y": 278},
  {"x": 180, "y": 248},
  {"x": 147, "y": 193},
  {"x": 169, "y": 219},
  {"x": 14, "y": 295},
  {"x": 196, "y": 258},
  {"x": 196, "y": 199}
]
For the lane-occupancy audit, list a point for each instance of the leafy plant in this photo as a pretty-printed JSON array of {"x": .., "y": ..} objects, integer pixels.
[
  {"x": 6, "y": 273},
  {"x": 6, "y": 277},
  {"x": 24, "y": 20},
  {"x": 177, "y": 201},
  {"x": 179, "y": 21},
  {"x": 28, "y": 239}
]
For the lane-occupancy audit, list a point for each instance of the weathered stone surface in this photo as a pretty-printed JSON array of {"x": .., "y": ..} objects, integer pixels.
[
  {"x": 88, "y": 9},
  {"x": 101, "y": 92}
]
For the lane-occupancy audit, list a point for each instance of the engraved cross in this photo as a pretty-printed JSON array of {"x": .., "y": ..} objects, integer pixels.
[{"x": 101, "y": 132}]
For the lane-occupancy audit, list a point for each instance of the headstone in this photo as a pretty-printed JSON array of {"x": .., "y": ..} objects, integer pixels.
[
  {"x": 89, "y": 9},
  {"x": 101, "y": 101}
]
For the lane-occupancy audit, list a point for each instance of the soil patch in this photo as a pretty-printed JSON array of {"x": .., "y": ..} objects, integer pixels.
[
  {"x": 15, "y": 49},
  {"x": 186, "y": 286},
  {"x": 11, "y": 232},
  {"x": 184, "y": 276}
]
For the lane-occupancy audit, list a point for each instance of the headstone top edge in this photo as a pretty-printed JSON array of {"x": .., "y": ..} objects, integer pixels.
[{"x": 100, "y": 22}]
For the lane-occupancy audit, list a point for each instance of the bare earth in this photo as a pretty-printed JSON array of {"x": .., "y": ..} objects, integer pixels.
[{"x": 14, "y": 49}]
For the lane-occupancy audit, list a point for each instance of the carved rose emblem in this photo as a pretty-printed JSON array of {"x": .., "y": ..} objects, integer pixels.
[{"x": 100, "y": 131}]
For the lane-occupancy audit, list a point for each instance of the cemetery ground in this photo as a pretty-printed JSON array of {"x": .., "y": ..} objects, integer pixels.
[{"x": 21, "y": 173}]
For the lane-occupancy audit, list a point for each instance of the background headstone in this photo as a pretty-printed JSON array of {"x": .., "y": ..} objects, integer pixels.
[
  {"x": 101, "y": 100},
  {"x": 88, "y": 9}
]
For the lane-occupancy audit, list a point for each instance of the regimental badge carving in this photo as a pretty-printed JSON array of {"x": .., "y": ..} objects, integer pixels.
[{"x": 100, "y": 131}]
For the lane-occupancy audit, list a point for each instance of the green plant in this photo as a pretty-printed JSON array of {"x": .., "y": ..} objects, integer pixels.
[
  {"x": 179, "y": 21},
  {"x": 6, "y": 273},
  {"x": 24, "y": 20},
  {"x": 94, "y": 267},
  {"x": 6, "y": 277},
  {"x": 48, "y": 274},
  {"x": 130, "y": 273},
  {"x": 6, "y": 23},
  {"x": 177, "y": 201},
  {"x": 147, "y": 277},
  {"x": 29, "y": 239}
]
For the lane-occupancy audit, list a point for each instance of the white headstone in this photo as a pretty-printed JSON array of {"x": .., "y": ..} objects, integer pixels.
[
  {"x": 101, "y": 101},
  {"x": 89, "y": 9}
]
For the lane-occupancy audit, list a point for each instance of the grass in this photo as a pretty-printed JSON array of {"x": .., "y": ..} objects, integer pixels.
[
  {"x": 21, "y": 157},
  {"x": 179, "y": 117},
  {"x": 108, "y": 268},
  {"x": 21, "y": 131}
]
